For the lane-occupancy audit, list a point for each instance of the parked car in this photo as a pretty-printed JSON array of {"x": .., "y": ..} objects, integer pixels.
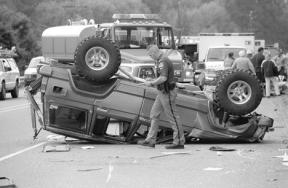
[
  {"x": 76, "y": 106},
  {"x": 9, "y": 76},
  {"x": 30, "y": 74}
]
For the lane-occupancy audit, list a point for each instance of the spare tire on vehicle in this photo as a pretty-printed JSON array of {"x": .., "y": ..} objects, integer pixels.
[
  {"x": 97, "y": 59},
  {"x": 238, "y": 92}
]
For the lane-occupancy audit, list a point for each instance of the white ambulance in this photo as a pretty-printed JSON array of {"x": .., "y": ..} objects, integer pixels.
[{"x": 214, "y": 47}]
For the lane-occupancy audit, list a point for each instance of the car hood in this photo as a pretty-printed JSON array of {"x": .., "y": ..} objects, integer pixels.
[
  {"x": 140, "y": 55},
  {"x": 30, "y": 71}
]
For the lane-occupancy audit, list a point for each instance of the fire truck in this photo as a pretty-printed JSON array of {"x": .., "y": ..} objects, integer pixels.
[{"x": 132, "y": 33}]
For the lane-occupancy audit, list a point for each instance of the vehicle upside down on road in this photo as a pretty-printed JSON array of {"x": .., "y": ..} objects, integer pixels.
[{"x": 76, "y": 105}]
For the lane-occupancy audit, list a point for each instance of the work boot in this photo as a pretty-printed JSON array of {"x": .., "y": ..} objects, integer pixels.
[
  {"x": 146, "y": 143},
  {"x": 175, "y": 146}
]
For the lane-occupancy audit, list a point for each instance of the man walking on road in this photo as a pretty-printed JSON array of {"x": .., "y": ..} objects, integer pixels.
[
  {"x": 257, "y": 60},
  {"x": 164, "y": 102}
]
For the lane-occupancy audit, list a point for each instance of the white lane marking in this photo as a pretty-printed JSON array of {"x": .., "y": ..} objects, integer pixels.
[
  {"x": 21, "y": 151},
  {"x": 17, "y": 107},
  {"x": 111, "y": 168},
  {"x": 12, "y": 109}
]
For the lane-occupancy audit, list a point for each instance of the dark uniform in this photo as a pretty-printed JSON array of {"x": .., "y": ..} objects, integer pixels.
[
  {"x": 257, "y": 60},
  {"x": 165, "y": 102}
]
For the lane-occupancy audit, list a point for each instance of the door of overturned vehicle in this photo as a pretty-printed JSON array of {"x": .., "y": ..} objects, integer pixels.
[{"x": 75, "y": 105}]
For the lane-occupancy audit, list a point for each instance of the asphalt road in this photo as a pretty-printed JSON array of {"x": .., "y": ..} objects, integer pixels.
[{"x": 107, "y": 165}]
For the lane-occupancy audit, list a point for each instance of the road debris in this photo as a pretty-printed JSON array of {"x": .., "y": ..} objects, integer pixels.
[
  {"x": 165, "y": 154},
  {"x": 218, "y": 148},
  {"x": 89, "y": 170},
  {"x": 273, "y": 179},
  {"x": 87, "y": 147},
  {"x": 56, "y": 148},
  {"x": 213, "y": 169},
  {"x": 6, "y": 183},
  {"x": 55, "y": 138},
  {"x": 284, "y": 156},
  {"x": 246, "y": 157},
  {"x": 219, "y": 153},
  {"x": 285, "y": 163},
  {"x": 69, "y": 139}
]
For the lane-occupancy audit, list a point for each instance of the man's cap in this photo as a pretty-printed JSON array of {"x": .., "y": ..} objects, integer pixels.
[{"x": 242, "y": 53}]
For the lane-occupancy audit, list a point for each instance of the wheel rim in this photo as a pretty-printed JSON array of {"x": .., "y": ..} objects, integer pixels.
[
  {"x": 239, "y": 92},
  {"x": 97, "y": 58}
]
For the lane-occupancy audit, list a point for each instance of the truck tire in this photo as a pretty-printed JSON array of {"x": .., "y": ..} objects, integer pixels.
[
  {"x": 15, "y": 91},
  {"x": 238, "y": 92},
  {"x": 97, "y": 59},
  {"x": 3, "y": 92}
]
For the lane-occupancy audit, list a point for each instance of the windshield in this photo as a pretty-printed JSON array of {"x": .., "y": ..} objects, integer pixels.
[
  {"x": 219, "y": 54},
  {"x": 140, "y": 37}
]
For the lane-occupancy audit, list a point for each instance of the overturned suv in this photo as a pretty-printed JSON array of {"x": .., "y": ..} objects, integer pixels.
[{"x": 86, "y": 98}]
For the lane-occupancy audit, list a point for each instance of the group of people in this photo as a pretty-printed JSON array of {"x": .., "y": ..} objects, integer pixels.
[{"x": 267, "y": 68}]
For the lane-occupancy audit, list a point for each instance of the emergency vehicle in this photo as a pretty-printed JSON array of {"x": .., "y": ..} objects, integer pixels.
[{"x": 132, "y": 33}]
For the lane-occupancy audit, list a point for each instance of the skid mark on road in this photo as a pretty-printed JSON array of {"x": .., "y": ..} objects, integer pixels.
[{"x": 21, "y": 151}]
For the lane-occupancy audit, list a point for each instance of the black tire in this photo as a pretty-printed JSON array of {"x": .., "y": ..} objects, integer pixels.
[
  {"x": 106, "y": 56},
  {"x": 15, "y": 91},
  {"x": 238, "y": 92},
  {"x": 3, "y": 92}
]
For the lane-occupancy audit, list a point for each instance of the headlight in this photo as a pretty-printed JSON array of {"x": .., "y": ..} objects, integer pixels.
[{"x": 189, "y": 74}]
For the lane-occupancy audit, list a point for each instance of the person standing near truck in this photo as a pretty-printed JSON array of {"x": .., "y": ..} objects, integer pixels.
[
  {"x": 270, "y": 72},
  {"x": 164, "y": 102},
  {"x": 243, "y": 63},
  {"x": 257, "y": 60},
  {"x": 228, "y": 61}
]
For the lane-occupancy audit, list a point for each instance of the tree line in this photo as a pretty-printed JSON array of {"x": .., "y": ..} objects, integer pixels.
[{"x": 23, "y": 21}]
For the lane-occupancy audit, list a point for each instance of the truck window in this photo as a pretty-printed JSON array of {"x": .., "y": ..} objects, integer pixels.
[
  {"x": 219, "y": 54},
  {"x": 6, "y": 65},
  {"x": 127, "y": 37}
]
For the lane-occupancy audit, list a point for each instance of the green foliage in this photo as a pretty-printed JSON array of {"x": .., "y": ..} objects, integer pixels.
[
  {"x": 266, "y": 18},
  {"x": 24, "y": 21},
  {"x": 17, "y": 31}
]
